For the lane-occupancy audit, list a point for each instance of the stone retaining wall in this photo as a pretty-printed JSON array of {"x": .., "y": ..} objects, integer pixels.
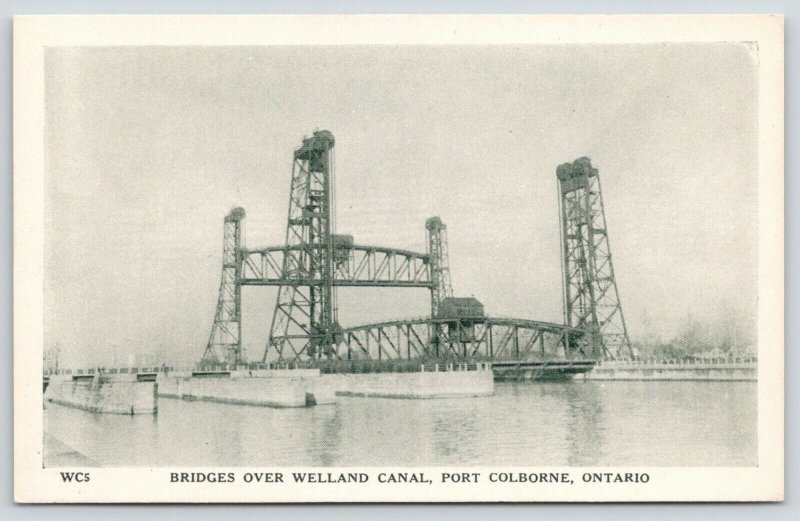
[
  {"x": 271, "y": 389},
  {"x": 724, "y": 372},
  {"x": 105, "y": 394}
]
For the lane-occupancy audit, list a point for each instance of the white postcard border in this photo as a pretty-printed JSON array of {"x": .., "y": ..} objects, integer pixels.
[{"x": 32, "y": 34}]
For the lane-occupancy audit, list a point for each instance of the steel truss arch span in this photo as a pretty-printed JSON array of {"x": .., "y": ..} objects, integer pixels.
[{"x": 490, "y": 339}]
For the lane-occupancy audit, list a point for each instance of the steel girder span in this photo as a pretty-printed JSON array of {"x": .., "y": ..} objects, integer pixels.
[
  {"x": 489, "y": 339},
  {"x": 354, "y": 265}
]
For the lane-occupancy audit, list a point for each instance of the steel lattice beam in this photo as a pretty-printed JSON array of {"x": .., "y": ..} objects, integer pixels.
[{"x": 366, "y": 266}]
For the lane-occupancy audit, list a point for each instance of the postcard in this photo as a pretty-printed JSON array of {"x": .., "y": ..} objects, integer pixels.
[{"x": 416, "y": 258}]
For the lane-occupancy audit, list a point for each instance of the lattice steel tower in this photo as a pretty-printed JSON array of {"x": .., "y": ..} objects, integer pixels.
[
  {"x": 591, "y": 298},
  {"x": 439, "y": 262},
  {"x": 304, "y": 320},
  {"x": 225, "y": 342}
]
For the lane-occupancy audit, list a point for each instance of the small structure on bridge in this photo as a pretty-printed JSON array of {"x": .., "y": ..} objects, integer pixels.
[
  {"x": 465, "y": 309},
  {"x": 461, "y": 314}
]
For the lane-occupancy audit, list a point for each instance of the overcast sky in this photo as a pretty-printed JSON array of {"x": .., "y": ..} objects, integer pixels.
[{"x": 148, "y": 148}]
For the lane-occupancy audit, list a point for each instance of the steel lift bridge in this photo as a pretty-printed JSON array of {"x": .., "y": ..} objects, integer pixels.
[{"x": 314, "y": 261}]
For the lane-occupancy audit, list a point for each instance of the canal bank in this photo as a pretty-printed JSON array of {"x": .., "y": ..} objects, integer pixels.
[{"x": 714, "y": 370}]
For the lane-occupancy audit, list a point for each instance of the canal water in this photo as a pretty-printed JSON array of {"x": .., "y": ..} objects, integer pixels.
[{"x": 524, "y": 424}]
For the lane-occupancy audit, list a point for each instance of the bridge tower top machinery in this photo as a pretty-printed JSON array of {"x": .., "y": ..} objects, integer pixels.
[{"x": 591, "y": 297}]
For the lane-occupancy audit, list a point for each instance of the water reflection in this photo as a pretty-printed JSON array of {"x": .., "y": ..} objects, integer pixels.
[
  {"x": 455, "y": 434},
  {"x": 525, "y": 424},
  {"x": 327, "y": 441},
  {"x": 583, "y": 415}
]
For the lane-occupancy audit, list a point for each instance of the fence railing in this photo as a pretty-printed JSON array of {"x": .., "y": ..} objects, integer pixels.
[
  {"x": 325, "y": 367},
  {"x": 681, "y": 361},
  {"x": 106, "y": 370}
]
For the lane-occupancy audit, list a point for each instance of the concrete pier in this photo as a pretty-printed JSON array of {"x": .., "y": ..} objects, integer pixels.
[
  {"x": 137, "y": 392},
  {"x": 115, "y": 394},
  {"x": 266, "y": 388},
  {"x": 307, "y": 387},
  {"x": 442, "y": 382}
]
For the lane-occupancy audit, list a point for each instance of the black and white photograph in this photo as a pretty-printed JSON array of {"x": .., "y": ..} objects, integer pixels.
[{"x": 403, "y": 265}]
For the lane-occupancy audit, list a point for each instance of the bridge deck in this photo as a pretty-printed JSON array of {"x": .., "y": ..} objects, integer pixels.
[{"x": 540, "y": 369}]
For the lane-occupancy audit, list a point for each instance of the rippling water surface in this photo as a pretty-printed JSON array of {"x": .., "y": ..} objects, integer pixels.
[{"x": 567, "y": 423}]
